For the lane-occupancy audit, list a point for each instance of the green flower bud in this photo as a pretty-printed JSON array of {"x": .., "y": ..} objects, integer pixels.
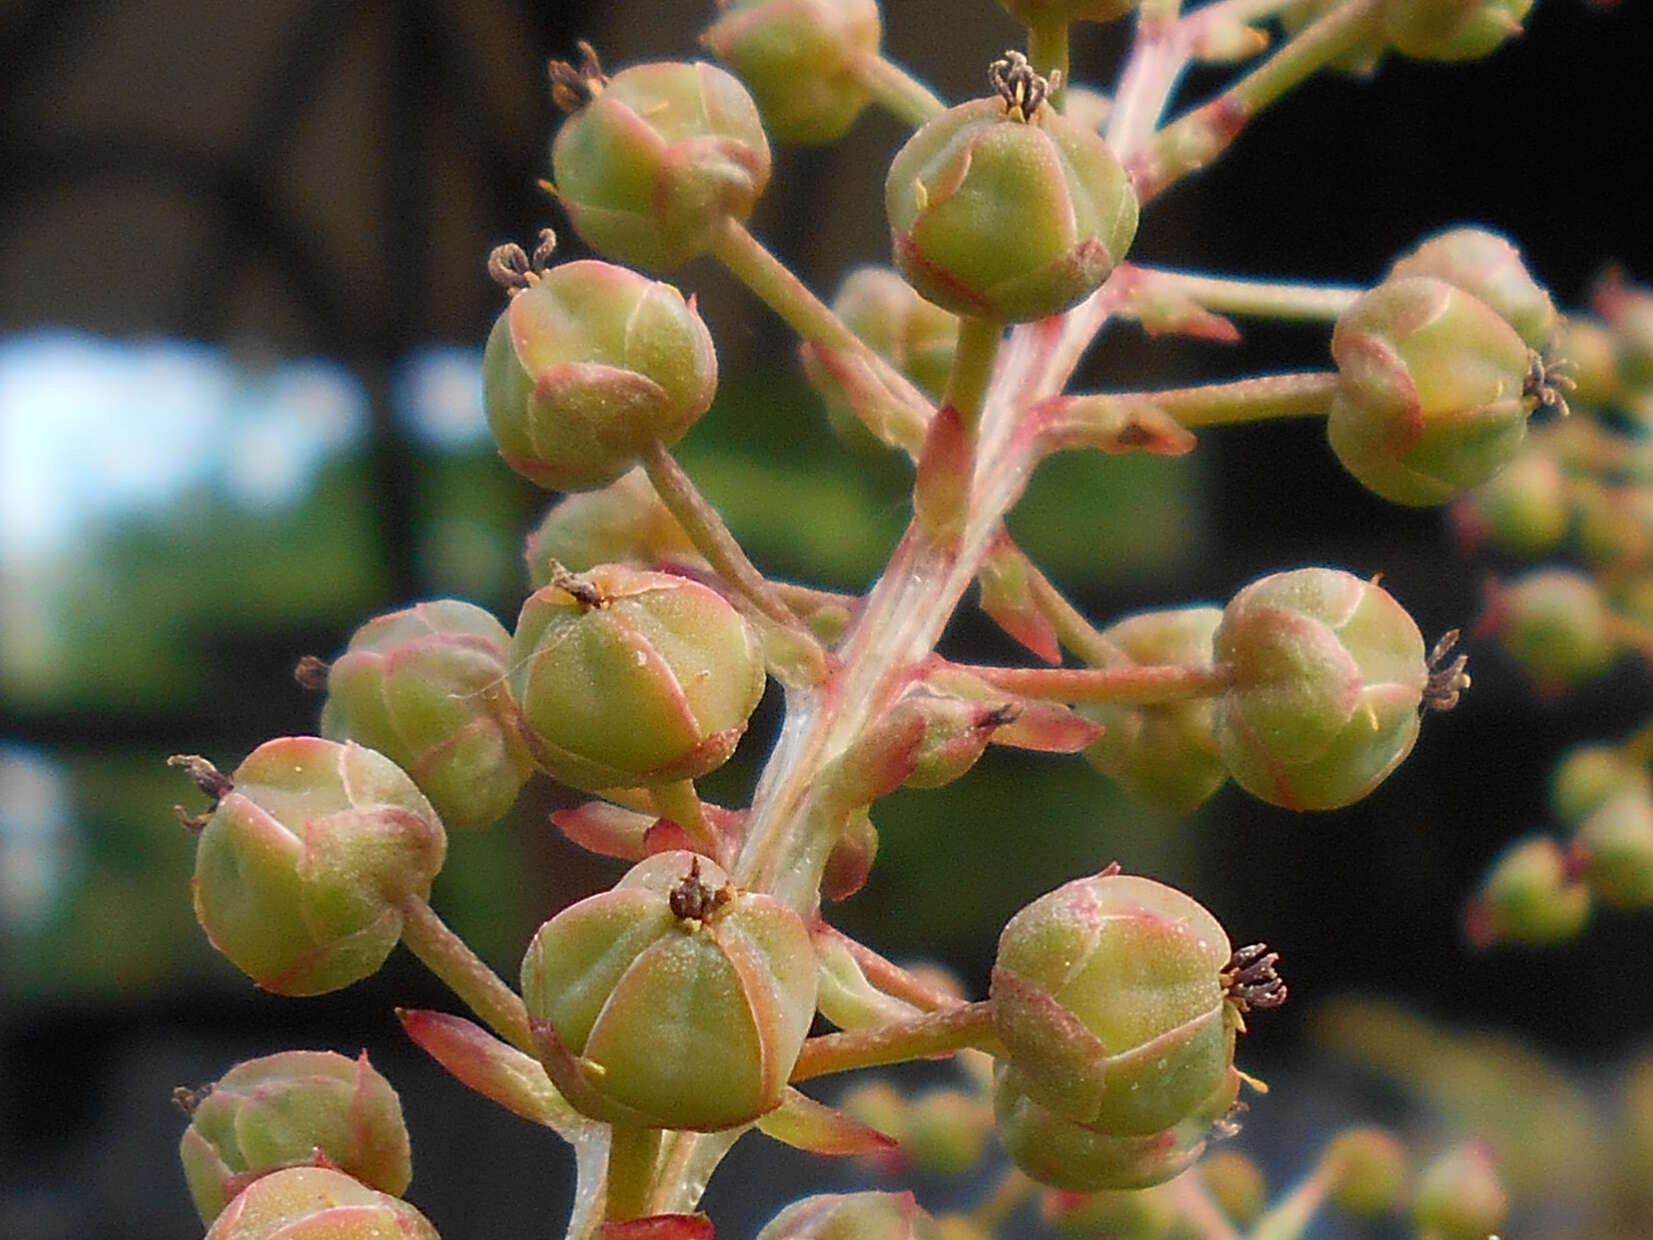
[
  {"x": 623, "y": 523},
  {"x": 1060, "y": 1153},
  {"x": 945, "y": 1132},
  {"x": 1523, "y": 510},
  {"x": 852, "y": 1216},
  {"x": 1451, "y": 29},
  {"x": 289, "y": 1110},
  {"x": 1460, "y": 1196},
  {"x": 303, "y": 865},
  {"x": 1590, "y": 349},
  {"x": 426, "y": 688},
  {"x": 1108, "y": 996},
  {"x": 653, "y": 162},
  {"x": 799, "y": 58},
  {"x": 588, "y": 365},
  {"x": 1369, "y": 1171},
  {"x": 673, "y": 1000},
  {"x": 1033, "y": 12},
  {"x": 1589, "y": 776},
  {"x": 1617, "y": 840},
  {"x": 318, "y": 1203},
  {"x": 1486, "y": 266},
  {"x": 1431, "y": 396},
  {"x": 1137, "y": 1214},
  {"x": 914, "y": 336},
  {"x": 632, "y": 678},
  {"x": 1004, "y": 216},
  {"x": 1329, "y": 672},
  {"x": 1554, "y": 622},
  {"x": 1531, "y": 896},
  {"x": 1237, "y": 1185},
  {"x": 1614, "y": 524},
  {"x": 1163, "y": 755},
  {"x": 1628, "y": 310},
  {"x": 879, "y": 1105}
]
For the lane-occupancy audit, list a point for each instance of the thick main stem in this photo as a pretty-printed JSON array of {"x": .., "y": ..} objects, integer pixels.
[
  {"x": 445, "y": 954},
  {"x": 978, "y": 346},
  {"x": 633, "y": 1155},
  {"x": 1047, "y": 51}
]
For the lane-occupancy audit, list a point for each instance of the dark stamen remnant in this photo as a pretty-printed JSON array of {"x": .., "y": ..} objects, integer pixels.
[
  {"x": 693, "y": 900},
  {"x": 580, "y": 588},
  {"x": 510, "y": 267},
  {"x": 311, "y": 673},
  {"x": 1251, "y": 981},
  {"x": 187, "y": 1099},
  {"x": 208, "y": 778},
  {"x": 1548, "y": 382},
  {"x": 1022, "y": 89},
  {"x": 572, "y": 88},
  {"x": 1447, "y": 681}
]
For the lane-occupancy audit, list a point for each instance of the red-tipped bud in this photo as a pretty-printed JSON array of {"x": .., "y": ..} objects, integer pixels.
[
  {"x": 852, "y": 1216},
  {"x": 1616, "y": 843},
  {"x": 1555, "y": 624},
  {"x": 1488, "y": 267},
  {"x": 801, "y": 59},
  {"x": 1589, "y": 776},
  {"x": 1368, "y": 1169},
  {"x": 1460, "y": 1196},
  {"x": 1329, "y": 672},
  {"x": 658, "y": 158},
  {"x": 1108, "y": 995},
  {"x": 1164, "y": 755},
  {"x": 946, "y": 1131},
  {"x": 588, "y": 366},
  {"x": 318, "y": 1203},
  {"x": 1451, "y": 29},
  {"x": 1531, "y": 895},
  {"x": 302, "y": 867},
  {"x": 1524, "y": 510},
  {"x": 673, "y": 1000},
  {"x": 633, "y": 678},
  {"x": 1432, "y": 394},
  {"x": 297, "y": 1108},
  {"x": 1139, "y": 1214},
  {"x": 426, "y": 688},
  {"x": 1003, "y": 215},
  {"x": 623, "y": 523}
]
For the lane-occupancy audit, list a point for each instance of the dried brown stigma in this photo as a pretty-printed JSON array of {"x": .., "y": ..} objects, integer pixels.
[
  {"x": 513, "y": 270},
  {"x": 1251, "y": 982},
  {"x": 1548, "y": 382},
  {"x": 1447, "y": 680},
  {"x": 572, "y": 88},
  {"x": 693, "y": 900},
  {"x": 1022, "y": 89}
]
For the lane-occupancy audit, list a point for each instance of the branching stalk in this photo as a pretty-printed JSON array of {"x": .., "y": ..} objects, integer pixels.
[
  {"x": 923, "y": 1037},
  {"x": 1260, "y": 299},
  {"x": 445, "y": 954}
]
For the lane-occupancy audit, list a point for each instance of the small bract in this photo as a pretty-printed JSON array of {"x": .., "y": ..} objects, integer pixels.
[
  {"x": 1451, "y": 29},
  {"x": 303, "y": 866},
  {"x": 1329, "y": 672},
  {"x": 289, "y": 1110},
  {"x": 318, "y": 1203},
  {"x": 629, "y": 678},
  {"x": 852, "y": 1216},
  {"x": 655, "y": 160},
  {"x": 673, "y": 1000},
  {"x": 587, "y": 366}
]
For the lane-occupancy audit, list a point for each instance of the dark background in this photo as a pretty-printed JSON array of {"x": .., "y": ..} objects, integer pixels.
[{"x": 316, "y": 179}]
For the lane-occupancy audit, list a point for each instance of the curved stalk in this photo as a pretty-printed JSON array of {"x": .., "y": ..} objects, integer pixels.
[{"x": 445, "y": 954}]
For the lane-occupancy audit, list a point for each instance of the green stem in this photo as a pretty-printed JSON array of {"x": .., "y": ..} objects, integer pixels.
[
  {"x": 773, "y": 284},
  {"x": 1133, "y": 685},
  {"x": 681, "y": 803},
  {"x": 895, "y": 90},
  {"x": 922, "y": 1037},
  {"x": 1073, "y": 628},
  {"x": 1290, "y": 1217},
  {"x": 1202, "y": 1218},
  {"x": 1299, "y": 395},
  {"x": 445, "y": 954},
  {"x": 978, "y": 346},
  {"x": 1047, "y": 50},
  {"x": 1259, "y": 299},
  {"x": 1196, "y": 138},
  {"x": 633, "y": 1154}
]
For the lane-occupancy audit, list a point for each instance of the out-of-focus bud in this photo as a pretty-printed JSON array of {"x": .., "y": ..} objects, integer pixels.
[
  {"x": 1636, "y": 1098},
  {"x": 1329, "y": 672},
  {"x": 877, "y": 1104},
  {"x": 799, "y": 58},
  {"x": 318, "y": 1203},
  {"x": 1460, "y": 1196},
  {"x": 852, "y": 1216},
  {"x": 672, "y": 1000},
  {"x": 1589, "y": 776},
  {"x": 303, "y": 865},
  {"x": 652, "y": 162},
  {"x": 1529, "y": 896},
  {"x": 1432, "y": 395},
  {"x": 1002, "y": 209},
  {"x": 914, "y": 336},
  {"x": 1087, "y": 108},
  {"x": 623, "y": 523},
  {"x": 632, "y": 678},
  {"x": 588, "y": 365},
  {"x": 1489, "y": 267},
  {"x": 1523, "y": 510},
  {"x": 1360, "y": 62},
  {"x": 1034, "y": 12},
  {"x": 290, "y": 1110},
  {"x": 1589, "y": 347},
  {"x": 946, "y": 1131},
  {"x": 1628, "y": 310},
  {"x": 1236, "y": 1183},
  {"x": 1617, "y": 843},
  {"x": 1135, "y": 1214},
  {"x": 1554, "y": 623},
  {"x": 1063, "y": 1154},
  {"x": 1108, "y": 995},
  {"x": 1164, "y": 755},
  {"x": 1451, "y": 29},
  {"x": 1368, "y": 1171},
  {"x": 426, "y": 688}
]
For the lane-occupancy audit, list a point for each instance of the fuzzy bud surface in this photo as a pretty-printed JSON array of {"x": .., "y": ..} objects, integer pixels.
[{"x": 318, "y": 1203}]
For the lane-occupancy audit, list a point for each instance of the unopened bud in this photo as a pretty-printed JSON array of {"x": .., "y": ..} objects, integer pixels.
[
  {"x": 1554, "y": 623},
  {"x": 1488, "y": 267},
  {"x": 318, "y": 1203},
  {"x": 1460, "y": 1196},
  {"x": 1120, "y": 1214},
  {"x": 623, "y": 523},
  {"x": 1451, "y": 29},
  {"x": 1616, "y": 841},
  {"x": 1368, "y": 1171},
  {"x": 1530, "y": 896},
  {"x": 852, "y": 1216},
  {"x": 1524, "y": 510},
  {"x": 1589, "y": 776}
]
